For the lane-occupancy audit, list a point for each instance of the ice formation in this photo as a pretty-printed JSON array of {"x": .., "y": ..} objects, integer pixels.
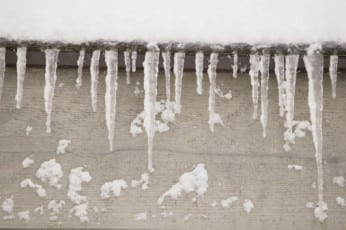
[
  {"x": 226, "y": 203},
  {"x": 141, "y": 216},
  {"x": 295, "y": 167},
  {"x": 111, "y": 57},
  {"x": 199, "y": 60},
  {"x": 340, "y": 201},
  {"x": 314, "y": 67},
  {"x": 28, "y": 130},
  {"x": 112, "y": 188},
  {"x": 279, "y": 61},
  {"x": 134, "y": 60},
  {"x": 254, "y": 69},
  {"x": 127, "y": 61},
  {"x": 264, "y": 69},
  {"x": 235, "y": 64},
  {"x": 94, "y": 77},
  {"x": 2, "y": 68},
  {"x": 339, "y": 180},
  {"x": 80, "y": 64},
  {"x": 194, "y": 181},
  {"x": 63, "y": 143},
  {"x": 27, "y": 162},
  {"x": 144, "y": 181},
  {"x": 50, "y": 79},
  {"x": 24, "y": 216},
  {"x": 248, "y": 206},
  {"x": 333, "y": 73},
  {"x": 50, "y": 172},
  {"x": 150, "y": 65},
  {"x": 76, "y": 178},
  {"x": 214, "y": 118},
  {"x": 178, "y": 70},
  {"x": 41, "y": 192},
  {"x": 21, "y": 66},
  {"x": 166, "y": 56}
]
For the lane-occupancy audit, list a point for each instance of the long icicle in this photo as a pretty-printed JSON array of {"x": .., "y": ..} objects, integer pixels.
[
  {"x": 80, "y": 64},
  {"x": 2, "y": 68},
  {"x": 199, "y": 59},
  {"x": 254, "y": 68},
  {"x": 178, "y": 69},
  {"x": 166, "y": 56},
  {"x": 134, "y": 60},
  {"x": 21, "y": 65},
  {"x": 235, "y": 64},
  {"x": 264, "y": 68},
  {"x": 290, "y": 75},
  {"x": 314, "y": 67},
  {"x": 333, "y": 73},
  {"x": 111, "y": 57},
  {"x": 50, "y": 79},
  {"x": 94, "y": 75},
  {"x": 127, "y": 61},
  {"x": 150, "y": 64},
  {"x": 279, "y": 61}
]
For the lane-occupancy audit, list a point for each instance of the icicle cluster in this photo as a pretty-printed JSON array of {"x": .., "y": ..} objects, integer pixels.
[
  {"x": 94, "y": 75},
  {"x": 333, "y": 73},
  {"x": 80, "y": 64},
  {"x": 178, "y": 68},
  {"x": 264, "y": 68},
  {"x": 279, "y": 61},
  {"x": 134, "y": 60},
  {"x": 127, "y": 61},
  {"x": 199, "y": 59},
  {"x": 2, "y": 68},
  {"x": 166, "y": 56},
  {"x": 254, "y": 69},
  {"x": 235, "y": 64},
  {"x": 21, "y": 65}
]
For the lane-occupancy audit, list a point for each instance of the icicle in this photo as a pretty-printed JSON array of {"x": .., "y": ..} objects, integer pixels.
[
  {"x": 134, "y": 60},
  {"x": 166, "y": 56},
  {"x": 235, "y": 64},
  {"x": 178, "y": 69},
  {"x": 50, "y": 79},
  {"x": 264, "y": 68},
  {"x": 214, "y": 118},
  {"x": 254, "y": 68},
  {"x": 94, "y": 74},
  {"x": 333, "y": 73},
  {"x": 290, "y": 75},
  {"x": 127, "y": 61},
  {"x": 2, "y": 67},
  {"x": 199, "y": 59},
  {"x": 80, "y": 64},
  {"x": 279, "y": 61},
  {"x": 111, "y": 57},
  {"x": 21, "y": 64},
  {"x": 314, "y": 67},
  {"x": 150, "y": 65}
]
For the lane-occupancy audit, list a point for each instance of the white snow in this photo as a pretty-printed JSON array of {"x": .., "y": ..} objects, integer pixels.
[
  {"x": 150, "y": 65},
  {"x": 226, "y": 203},
  {"x": 221, "y": 94},
  {"x": 55, "y": 208},
  {"x": 333, "y": 73},
  {"x": 142, "y": 216},
  {"x": 41, "y": 192},
  {"x": 80, "y": 64},
  {"x": 297, "y": 130},
  {"x": 187, "y": 217},
  {"x": 178, "y": 69},
  {"x": 213, "y": 204},
  {"x": 28, "y": 130},
  {"x": 50, "y": 172},
  {"x": 254, "y": 70},
  {"x": 320, "y": 211},
  {"x": 7, "y": 205},
  {"x": 112, "y": 188},
  {"x": 264, "y": 69},
  {"x": 339, "y": 180},
  {"x": 194, "y": 181},
  {"x": 144, "y": 181},
  {"x": 295, "y": 167},
  {"x": 63, "y": 143},
  {"x": 50, "y": 79},
  {"x": 21, "y": 66},
  {"x": 111, "y": 80},
  {"x": 199, "y": 59},
  {"x": 2, "y": 68},
  {"x": 310, "y": 204},
  {"x": 340, "y": 201},
  {"x": 40, "y": 210},
  {"x": 76, "y": 178},
  {"x": 24, "y": 216},
  {"x": 248, "y": 206},
  {"x": 27, "y": 162},
  {"x": 127, "y": 61},
  {"x": 94, "y": 77}
]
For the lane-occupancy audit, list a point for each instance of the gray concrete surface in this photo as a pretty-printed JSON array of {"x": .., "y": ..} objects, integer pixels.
[{"x": 238, "y": 159}]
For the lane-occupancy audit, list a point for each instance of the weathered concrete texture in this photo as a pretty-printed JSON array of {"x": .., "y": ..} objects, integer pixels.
[{"x": 238, "y": 159}]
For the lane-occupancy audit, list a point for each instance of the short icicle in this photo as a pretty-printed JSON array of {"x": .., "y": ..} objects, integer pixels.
[
  {"x": 333, "y": 73},
  {"x": 178, "y": 69},
  {"x": 166, "y": 56},
  {"x": 314, "y": 67},
  {"x": 21, "y": 65},
  {"x": 134, "y": 60},
  {"x": 127, "y": 61},
  {"x": 254, "y": 69},
  {"x": 94, "y": 75},
  {"x": 111, "y": 57},
  {"x": 235, "y": 64},
  {"x": 2, "y": 68},
  {"x": 150, "y": 64},
  {"x": 279, "y": 61},
  {"x": 80, "y": 64},
  {"x": 264, "y": 69},
  {"x": 50, "y": 79},
  {"x": 199, "y": 59}
]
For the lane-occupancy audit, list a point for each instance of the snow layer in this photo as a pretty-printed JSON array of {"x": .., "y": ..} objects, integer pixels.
[{"x": 295, "y": 20}]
